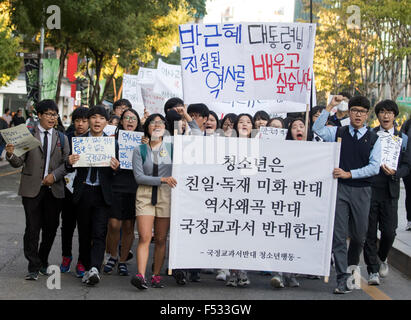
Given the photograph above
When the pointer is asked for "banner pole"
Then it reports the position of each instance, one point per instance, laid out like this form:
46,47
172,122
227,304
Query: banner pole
307,113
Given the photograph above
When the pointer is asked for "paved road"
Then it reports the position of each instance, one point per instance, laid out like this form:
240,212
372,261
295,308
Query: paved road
13,267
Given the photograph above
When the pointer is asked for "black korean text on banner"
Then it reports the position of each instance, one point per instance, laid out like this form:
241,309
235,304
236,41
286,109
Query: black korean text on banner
268,210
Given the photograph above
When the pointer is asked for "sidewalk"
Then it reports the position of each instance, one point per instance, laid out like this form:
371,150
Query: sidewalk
400,255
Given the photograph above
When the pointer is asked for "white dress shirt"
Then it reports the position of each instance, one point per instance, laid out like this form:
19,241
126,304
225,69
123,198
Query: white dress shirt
49,137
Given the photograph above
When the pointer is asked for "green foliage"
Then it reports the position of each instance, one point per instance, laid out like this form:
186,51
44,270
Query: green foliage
101,30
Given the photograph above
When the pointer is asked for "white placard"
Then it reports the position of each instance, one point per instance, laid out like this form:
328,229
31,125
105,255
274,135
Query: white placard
132,92
168,80
273,211
153,102
246,61
127,141
390,149
272,133
110,130
21,138
69,179
93,151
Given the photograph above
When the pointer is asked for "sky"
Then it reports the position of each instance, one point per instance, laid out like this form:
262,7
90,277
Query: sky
250,11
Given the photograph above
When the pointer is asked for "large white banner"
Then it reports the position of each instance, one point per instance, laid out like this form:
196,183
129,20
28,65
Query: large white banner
269,209
247,61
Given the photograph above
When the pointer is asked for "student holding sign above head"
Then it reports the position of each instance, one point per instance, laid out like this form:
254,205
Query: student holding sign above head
122,213
152,165
359,161
41,187
385,194
93,197
69,214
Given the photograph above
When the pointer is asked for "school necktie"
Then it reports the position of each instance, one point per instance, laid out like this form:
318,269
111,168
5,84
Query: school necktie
386,131
155,174
45,147
93,174
355,135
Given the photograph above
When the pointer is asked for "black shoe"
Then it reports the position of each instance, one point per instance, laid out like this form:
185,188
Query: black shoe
122,269
342,288
180,277
130,255
139,282
43,271
195,277
32,276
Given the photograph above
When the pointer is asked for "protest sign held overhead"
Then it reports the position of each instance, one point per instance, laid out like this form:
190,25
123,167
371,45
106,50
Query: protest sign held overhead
127,141
93,151
272,210
132,92
246,61
21,138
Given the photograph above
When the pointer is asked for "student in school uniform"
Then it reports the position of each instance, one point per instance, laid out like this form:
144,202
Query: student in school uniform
41,187
152,165
276,123
384,198
93,198
69,212
296,131
244,128
359,162
261,119
227,124
122,213
406,128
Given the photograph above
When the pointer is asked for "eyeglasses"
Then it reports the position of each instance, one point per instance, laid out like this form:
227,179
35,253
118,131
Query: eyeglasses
359,112
131,119
50,115
158,122
386,113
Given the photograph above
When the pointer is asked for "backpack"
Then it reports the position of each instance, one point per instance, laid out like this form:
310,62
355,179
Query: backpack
61,138
143,151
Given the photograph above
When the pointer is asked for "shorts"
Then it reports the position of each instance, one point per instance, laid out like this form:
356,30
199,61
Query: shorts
123,206
143,201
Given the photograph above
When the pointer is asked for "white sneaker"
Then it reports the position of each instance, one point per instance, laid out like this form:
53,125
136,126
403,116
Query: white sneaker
277,281
374,279
292,281
91,277
383,269
243,280
221,275
408,227
233,281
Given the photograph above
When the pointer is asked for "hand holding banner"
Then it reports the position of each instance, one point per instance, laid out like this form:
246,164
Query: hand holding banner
21,138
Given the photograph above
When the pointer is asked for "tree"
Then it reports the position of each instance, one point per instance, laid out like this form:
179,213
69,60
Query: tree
9,44
100,30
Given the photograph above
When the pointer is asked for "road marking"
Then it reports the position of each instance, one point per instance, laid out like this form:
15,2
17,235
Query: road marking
10,173
373,291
